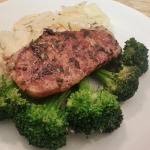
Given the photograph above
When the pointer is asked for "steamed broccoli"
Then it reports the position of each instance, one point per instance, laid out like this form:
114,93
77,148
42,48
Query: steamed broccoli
92,110
44,125
135,54
10,98
123,84
115,65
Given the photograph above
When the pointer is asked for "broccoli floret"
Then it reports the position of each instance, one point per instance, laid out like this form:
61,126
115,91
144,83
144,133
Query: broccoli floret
44,125
135,54
123,84
115,65
92,110
10,98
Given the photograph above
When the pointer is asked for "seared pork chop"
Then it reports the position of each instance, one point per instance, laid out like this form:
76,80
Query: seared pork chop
58,60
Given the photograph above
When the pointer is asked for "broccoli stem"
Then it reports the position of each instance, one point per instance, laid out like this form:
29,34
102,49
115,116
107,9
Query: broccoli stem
85,84
58,102
104,76
123,84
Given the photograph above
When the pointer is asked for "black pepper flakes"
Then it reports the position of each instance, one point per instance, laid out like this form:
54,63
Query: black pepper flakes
22,82
60,69
59,81
45,71
86,33
106,51
35,70
75,62
49,31
91,55
97,46
58,45
75,47
24,68
55,44
54,59
69,35
39,49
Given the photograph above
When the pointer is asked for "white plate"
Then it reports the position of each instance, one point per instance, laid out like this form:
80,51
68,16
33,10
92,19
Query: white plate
134,133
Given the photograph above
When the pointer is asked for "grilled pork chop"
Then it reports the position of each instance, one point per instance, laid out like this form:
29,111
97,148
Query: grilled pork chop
58,60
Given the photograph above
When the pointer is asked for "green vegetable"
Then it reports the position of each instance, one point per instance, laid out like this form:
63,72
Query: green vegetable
87,110
135,54
115,65
44,125
92,110
10,98
123,84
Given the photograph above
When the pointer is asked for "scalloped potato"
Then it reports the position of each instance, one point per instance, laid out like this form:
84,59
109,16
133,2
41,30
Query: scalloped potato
31,27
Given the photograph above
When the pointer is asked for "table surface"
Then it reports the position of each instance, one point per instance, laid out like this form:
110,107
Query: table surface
141,5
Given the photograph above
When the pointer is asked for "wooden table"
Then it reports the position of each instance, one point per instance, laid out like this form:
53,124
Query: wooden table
141,5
